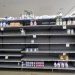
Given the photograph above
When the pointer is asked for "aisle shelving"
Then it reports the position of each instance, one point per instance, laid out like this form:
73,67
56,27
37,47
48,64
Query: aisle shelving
46,43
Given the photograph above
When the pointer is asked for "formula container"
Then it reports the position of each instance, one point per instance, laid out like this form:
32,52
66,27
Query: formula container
55,64
66,64
62,64
58,64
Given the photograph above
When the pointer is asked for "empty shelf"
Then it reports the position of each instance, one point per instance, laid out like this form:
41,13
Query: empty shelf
30,35
45,59
66,51
10,49
9,66
10,55
9,60
35,43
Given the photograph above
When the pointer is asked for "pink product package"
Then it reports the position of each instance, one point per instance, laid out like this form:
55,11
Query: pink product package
37,63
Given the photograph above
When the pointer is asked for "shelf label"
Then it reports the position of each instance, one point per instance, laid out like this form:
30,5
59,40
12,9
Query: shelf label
32,41
2,29
34,36
67,45
64,53
6,57
22,31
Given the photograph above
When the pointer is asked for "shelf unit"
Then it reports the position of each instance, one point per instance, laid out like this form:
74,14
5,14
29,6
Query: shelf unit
41,43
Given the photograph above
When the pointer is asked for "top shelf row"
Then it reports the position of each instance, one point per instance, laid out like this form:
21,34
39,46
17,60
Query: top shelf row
59,20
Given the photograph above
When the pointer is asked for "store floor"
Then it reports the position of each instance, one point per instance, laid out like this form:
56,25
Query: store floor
6,72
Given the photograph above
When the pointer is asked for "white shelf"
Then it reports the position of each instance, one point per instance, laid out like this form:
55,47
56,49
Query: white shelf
9,60
50,67
35,43
10,54
10,49
28,35
10,66
45,59
66,51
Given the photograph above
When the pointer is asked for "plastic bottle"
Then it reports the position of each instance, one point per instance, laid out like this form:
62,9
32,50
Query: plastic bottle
61,23
4,24
62,64
64,22
35,49
57,21
58,64
72,31
35,23
18,63
55,64
22,64
66,64
68,31
69,22
1,24
27,49
31,23
31,50
73,22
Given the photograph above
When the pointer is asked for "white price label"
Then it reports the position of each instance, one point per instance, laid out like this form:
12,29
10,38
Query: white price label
2,29
6,57
34,36
64,26
32,41
67,44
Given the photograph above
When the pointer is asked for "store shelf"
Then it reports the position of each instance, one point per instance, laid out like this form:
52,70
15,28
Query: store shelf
10,66
9,60
37,43
46,59
31,35
47,51
46,67
10,50
50,67
11,55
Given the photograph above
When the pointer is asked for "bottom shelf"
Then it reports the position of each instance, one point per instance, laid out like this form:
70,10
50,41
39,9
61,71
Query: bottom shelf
46,67
37,65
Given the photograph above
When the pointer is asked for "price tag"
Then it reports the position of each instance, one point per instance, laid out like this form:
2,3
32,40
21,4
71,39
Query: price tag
2,29
34,36
22,31
64,53
67,45
32,41
6,57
